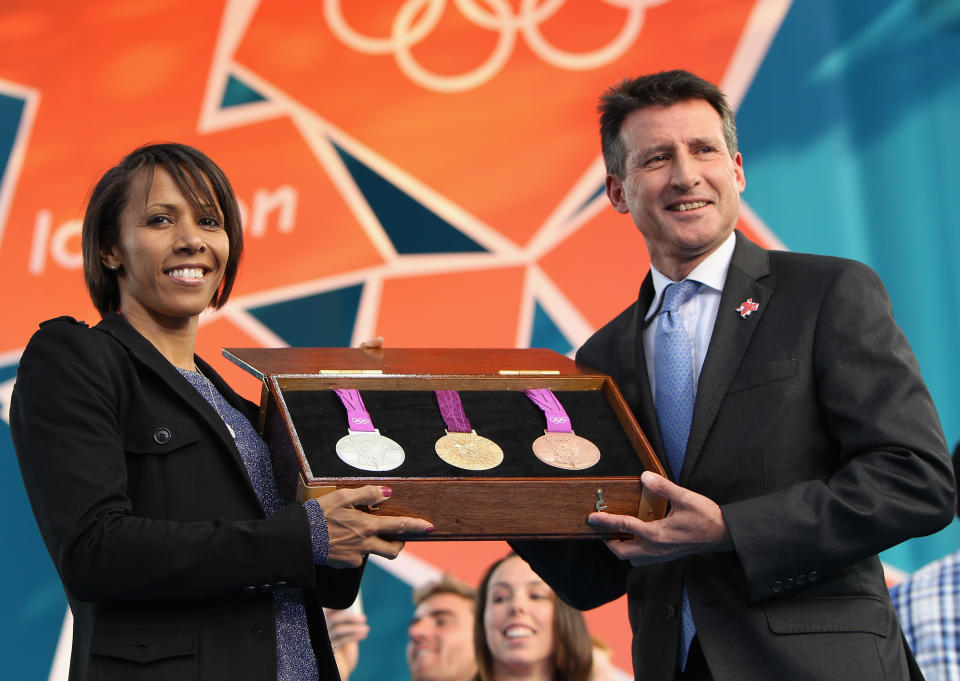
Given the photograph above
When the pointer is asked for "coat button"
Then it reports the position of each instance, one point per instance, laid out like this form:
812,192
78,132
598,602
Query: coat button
281,584
790,582
248,590
801,579
161,436
777,587
266,588
813,576
671,612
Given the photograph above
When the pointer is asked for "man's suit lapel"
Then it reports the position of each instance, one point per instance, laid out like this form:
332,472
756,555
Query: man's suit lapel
731,336
147,354
634,365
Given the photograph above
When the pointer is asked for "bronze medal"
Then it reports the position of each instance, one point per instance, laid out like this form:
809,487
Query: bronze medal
566,450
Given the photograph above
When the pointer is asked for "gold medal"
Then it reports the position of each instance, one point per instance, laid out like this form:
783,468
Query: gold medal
566,450
469,451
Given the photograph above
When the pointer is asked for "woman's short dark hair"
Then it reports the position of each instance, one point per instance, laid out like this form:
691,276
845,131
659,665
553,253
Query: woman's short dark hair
659,89
195,176
572,648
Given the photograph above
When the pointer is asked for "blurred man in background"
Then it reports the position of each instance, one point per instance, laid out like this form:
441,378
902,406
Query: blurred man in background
441,632
928,605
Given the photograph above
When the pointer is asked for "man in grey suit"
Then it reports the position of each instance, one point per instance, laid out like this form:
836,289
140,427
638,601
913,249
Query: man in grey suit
787,408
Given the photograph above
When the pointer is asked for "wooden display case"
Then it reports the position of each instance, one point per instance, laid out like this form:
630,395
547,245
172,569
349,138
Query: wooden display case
302,419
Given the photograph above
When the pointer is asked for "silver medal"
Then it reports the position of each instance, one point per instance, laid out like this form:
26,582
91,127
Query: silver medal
369,451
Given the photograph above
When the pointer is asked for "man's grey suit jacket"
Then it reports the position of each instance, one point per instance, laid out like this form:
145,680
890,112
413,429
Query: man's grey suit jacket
814,432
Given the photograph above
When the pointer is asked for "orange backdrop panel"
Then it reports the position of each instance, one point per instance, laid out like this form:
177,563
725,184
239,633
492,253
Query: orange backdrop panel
461,310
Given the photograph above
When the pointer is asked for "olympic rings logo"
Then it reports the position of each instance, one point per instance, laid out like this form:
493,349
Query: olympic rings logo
492,15
359,420
558,419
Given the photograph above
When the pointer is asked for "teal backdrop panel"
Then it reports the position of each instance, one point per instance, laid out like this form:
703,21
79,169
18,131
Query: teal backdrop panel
847,133
34,605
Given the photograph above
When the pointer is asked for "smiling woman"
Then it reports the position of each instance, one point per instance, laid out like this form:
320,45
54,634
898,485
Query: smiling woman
152,489
523,632
174,253
157,185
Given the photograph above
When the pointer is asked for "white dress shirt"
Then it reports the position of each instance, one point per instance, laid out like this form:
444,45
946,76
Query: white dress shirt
698,314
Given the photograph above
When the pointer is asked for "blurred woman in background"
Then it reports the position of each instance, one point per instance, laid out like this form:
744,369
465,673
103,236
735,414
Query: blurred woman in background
524,632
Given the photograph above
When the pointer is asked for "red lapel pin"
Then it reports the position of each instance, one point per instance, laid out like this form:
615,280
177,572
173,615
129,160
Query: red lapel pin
746,307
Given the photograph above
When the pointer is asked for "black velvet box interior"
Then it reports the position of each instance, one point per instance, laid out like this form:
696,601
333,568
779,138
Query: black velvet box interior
303,419
413,420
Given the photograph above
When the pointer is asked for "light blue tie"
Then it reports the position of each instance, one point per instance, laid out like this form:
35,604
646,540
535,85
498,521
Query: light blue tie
673,362
673,372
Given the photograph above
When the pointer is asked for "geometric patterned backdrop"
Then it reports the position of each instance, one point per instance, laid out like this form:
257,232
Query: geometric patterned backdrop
429,171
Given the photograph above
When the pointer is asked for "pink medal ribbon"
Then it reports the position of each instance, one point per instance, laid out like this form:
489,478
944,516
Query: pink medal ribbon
363,446
357,416
451,408
559,446
557,419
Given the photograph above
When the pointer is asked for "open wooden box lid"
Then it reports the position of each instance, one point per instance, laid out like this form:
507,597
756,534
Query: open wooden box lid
521,497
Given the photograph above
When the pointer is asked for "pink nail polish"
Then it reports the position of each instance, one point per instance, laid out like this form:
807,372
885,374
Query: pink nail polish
429,529
386,491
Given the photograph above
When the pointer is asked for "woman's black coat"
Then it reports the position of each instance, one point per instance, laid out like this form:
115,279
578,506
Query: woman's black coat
146,509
